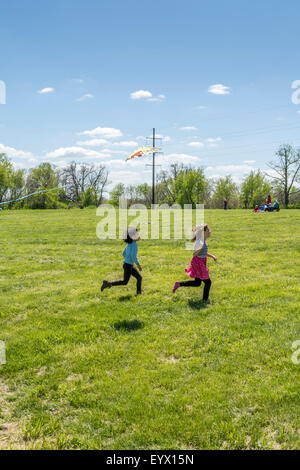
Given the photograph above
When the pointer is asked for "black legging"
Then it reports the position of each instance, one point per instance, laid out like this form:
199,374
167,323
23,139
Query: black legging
130,270
196,283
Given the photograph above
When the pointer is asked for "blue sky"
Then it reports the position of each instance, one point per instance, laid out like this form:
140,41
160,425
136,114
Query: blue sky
85,80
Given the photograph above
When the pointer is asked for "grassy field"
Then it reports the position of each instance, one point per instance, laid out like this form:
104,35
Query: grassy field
115,371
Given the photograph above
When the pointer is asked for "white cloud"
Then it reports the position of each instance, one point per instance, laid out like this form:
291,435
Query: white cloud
230,168
138,164
219,89
188,128
19,166
179,158
269,173
13,153
118,151
45,91
249,162
196,144
140,94
87,96
201,107
116,162
93,142
213,140
164,138
61,163
126,176
101,142
75,152
106,132
210,141
238,172
147,95
130,143
158,99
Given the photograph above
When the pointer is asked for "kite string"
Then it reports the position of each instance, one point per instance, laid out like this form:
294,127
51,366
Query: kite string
29,195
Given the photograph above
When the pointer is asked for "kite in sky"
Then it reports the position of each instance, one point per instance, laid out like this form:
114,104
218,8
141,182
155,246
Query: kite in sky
142,151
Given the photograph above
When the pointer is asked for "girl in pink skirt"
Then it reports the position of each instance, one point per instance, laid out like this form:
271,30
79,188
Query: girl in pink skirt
198,269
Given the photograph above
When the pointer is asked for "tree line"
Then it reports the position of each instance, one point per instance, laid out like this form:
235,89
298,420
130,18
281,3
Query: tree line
181,184
79,185
83,185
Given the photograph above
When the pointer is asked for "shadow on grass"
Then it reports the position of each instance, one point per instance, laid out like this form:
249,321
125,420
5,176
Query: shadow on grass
125,298
128,325
197,304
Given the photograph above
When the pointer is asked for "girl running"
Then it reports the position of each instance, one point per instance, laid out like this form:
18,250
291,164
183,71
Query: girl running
198,269
132,236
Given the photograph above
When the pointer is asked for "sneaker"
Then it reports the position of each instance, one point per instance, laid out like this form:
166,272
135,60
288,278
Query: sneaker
176,286
105,285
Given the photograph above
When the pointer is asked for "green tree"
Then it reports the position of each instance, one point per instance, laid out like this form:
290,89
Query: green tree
41,178
17,186
190,186
165,187
144,194
89,197
6,170
254,190
225,188
117,192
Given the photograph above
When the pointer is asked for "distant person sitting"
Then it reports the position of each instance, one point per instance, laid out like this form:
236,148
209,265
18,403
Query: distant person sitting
271,208
225,204
269,200
256,209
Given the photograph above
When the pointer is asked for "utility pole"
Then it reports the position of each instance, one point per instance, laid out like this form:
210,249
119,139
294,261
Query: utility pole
153,167
153,139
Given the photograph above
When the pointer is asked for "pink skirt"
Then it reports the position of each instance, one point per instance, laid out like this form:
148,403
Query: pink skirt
198,269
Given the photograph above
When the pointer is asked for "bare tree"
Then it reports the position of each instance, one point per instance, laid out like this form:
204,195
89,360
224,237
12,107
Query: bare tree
287,170
76,179
98,179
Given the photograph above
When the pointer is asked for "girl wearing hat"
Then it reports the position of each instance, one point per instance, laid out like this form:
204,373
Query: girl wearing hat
198,269
131,237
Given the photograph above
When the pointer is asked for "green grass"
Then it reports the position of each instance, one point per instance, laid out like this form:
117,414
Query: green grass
116,371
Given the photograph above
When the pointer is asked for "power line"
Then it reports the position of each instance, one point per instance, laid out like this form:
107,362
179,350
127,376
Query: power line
258,110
